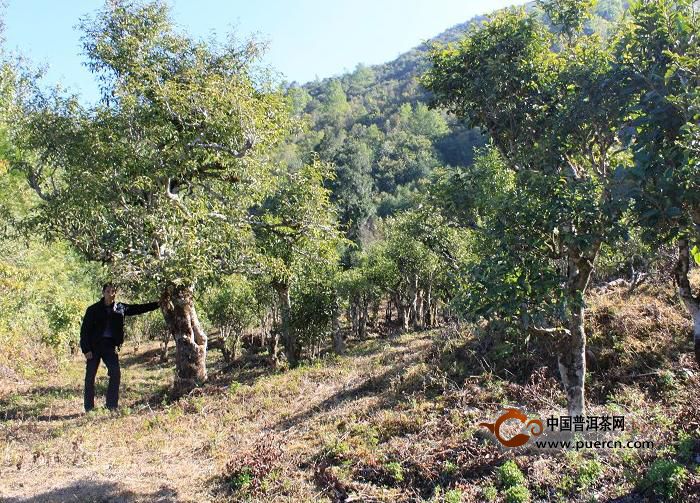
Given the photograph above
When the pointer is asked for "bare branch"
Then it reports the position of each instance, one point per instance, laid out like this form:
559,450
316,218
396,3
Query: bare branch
550,331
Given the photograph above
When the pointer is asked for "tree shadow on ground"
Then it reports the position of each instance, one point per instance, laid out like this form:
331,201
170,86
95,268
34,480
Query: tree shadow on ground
245,370
379,385
149,357
248,369
102,491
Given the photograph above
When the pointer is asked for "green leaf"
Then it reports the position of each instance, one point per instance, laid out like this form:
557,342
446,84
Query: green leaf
695,252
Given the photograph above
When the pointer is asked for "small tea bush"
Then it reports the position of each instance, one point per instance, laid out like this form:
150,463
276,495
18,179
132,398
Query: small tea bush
588,473
517,494
664,479
395,470
509,475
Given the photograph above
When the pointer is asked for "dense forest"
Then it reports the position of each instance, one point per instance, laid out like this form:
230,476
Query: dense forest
489,188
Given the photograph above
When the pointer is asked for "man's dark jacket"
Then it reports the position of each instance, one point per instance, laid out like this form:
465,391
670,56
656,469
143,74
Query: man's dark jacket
97,317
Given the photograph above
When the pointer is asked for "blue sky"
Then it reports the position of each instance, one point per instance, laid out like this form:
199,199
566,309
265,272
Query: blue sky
307,38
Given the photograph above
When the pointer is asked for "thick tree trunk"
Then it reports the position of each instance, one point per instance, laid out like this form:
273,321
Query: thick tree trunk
691,302
291,349
177,304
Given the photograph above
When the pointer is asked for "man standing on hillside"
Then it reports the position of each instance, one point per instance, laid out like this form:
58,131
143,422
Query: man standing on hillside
101,333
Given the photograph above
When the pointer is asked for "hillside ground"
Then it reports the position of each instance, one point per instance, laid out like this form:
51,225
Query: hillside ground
396,419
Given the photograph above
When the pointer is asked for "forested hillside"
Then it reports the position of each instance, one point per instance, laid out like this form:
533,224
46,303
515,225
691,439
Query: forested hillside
469,274
375,126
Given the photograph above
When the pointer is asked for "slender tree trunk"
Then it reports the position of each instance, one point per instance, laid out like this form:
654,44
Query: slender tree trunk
164,340
414,302
429,320
274,336
177,304
572,363
338,341
405,317
418,320
374,318
362,308
225,334
236,344
354,316
572,354
291,349
273,346
691,302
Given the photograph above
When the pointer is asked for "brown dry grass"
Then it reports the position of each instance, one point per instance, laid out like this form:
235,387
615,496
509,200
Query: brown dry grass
166,451
395,420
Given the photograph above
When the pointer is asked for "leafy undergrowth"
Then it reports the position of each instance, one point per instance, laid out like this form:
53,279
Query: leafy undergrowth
397,419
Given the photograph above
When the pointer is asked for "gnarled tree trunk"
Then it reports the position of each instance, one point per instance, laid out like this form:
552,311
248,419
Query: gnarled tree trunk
691,302
177,304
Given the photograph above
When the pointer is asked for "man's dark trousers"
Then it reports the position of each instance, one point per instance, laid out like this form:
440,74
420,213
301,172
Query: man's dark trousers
106,352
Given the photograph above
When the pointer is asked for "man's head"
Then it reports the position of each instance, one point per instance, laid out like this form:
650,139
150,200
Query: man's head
109,292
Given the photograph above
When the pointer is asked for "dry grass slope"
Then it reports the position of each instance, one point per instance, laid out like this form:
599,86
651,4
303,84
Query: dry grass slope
394,420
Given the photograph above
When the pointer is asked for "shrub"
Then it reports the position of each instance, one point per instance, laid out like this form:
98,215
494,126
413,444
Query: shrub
247,470
588,473
489,493
517,494
395,470
664,479
336,450
685,447
450,469
241,479
509,475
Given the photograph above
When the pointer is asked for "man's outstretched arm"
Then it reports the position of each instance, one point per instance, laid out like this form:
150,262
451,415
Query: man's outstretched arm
134,309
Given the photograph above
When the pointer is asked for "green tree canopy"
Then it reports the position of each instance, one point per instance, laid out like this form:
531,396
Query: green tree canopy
553,116
158,179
